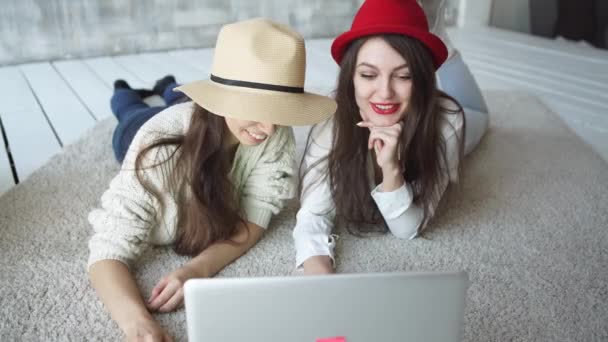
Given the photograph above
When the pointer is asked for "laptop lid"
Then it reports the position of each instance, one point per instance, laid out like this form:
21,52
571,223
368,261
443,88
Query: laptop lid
373,307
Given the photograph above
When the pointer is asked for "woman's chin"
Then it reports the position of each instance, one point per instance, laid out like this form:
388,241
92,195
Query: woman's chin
384,120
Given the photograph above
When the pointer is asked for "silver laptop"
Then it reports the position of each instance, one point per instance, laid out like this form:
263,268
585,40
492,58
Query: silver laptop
374,307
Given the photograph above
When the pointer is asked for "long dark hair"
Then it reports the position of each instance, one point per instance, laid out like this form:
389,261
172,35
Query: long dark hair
202,165
423,148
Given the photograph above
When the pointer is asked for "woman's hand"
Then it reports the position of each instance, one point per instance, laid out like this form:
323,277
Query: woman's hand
385,142
320,264
168,294
146,329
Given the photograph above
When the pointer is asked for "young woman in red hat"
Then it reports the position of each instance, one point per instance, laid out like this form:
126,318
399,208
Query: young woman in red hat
395,142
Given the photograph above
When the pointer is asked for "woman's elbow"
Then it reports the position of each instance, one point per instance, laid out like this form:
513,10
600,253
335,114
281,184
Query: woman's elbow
408,224
405,232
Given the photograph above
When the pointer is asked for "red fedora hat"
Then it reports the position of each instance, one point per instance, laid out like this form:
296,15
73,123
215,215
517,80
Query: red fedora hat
404,17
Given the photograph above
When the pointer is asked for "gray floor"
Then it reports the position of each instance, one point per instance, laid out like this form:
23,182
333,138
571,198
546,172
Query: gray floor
50,105
532,238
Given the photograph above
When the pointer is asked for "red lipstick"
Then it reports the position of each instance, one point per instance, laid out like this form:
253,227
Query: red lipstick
385,108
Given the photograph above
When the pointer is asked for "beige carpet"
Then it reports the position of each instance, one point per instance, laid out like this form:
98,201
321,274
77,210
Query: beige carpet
529,224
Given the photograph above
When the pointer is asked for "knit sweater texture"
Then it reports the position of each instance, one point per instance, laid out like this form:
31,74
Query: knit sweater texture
131,219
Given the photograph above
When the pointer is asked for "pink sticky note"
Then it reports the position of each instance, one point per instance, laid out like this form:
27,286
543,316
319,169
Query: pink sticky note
332,339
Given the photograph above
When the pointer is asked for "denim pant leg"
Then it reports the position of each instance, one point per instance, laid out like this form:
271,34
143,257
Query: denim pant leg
124,102
132,113
456,80
127,129
172,97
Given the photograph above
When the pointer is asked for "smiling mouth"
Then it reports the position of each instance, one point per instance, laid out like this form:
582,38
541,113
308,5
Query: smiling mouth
256,137
385,108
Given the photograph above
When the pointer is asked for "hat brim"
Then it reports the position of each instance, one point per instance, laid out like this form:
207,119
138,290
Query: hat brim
279,108
436,46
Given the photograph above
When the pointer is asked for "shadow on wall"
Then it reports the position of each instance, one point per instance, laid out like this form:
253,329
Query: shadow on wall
34,30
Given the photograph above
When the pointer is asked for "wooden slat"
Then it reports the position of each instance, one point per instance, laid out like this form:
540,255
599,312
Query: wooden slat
490,83
14,91
31,144
200,59
569,78
31,140
169,64
589,124
536,81
583,62
68,116
141,67
510,82
6,175
571,71
591,109
589,80
109,71
557,48
89,87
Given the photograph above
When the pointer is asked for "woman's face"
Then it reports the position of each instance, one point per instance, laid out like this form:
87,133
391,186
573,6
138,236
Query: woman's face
383,83
250,132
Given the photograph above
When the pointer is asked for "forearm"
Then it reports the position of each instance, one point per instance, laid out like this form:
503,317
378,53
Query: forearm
319,264
392,179
116,287
218,255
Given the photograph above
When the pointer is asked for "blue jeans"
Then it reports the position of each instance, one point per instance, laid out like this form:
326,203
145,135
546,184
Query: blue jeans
456,80
132,113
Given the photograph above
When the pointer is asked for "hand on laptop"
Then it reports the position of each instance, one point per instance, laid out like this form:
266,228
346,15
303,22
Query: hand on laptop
168,294
319,264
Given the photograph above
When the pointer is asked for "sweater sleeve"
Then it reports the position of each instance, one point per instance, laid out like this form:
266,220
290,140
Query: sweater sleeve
273,179
122,225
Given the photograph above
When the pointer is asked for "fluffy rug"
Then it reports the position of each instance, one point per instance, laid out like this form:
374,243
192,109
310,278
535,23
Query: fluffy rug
529,222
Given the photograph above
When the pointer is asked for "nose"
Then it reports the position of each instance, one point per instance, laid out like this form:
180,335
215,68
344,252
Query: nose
385,88
266,127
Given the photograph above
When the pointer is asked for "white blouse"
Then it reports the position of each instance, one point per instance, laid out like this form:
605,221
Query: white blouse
315,219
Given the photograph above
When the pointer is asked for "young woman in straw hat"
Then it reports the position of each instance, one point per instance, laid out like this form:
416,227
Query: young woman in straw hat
205,176
384,160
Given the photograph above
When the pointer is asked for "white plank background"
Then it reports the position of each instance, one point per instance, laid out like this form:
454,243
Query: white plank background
109,70
30,137
199,59
66,112
571,79
87,86
6,174
47,105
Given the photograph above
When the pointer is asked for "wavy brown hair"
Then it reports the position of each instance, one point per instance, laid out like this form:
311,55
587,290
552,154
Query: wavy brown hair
202,164
422,151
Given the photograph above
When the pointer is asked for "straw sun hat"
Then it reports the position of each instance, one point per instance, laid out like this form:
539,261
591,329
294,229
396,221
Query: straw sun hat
258,74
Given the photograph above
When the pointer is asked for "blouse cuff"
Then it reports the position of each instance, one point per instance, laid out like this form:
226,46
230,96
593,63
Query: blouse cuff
314,245
394,203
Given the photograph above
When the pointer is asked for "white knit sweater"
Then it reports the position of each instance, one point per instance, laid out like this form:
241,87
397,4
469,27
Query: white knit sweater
130,219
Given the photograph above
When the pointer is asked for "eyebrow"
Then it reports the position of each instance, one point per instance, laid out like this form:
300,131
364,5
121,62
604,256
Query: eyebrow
404,65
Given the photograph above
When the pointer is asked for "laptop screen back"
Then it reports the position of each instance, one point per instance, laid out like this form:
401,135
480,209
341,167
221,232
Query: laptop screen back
350,307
